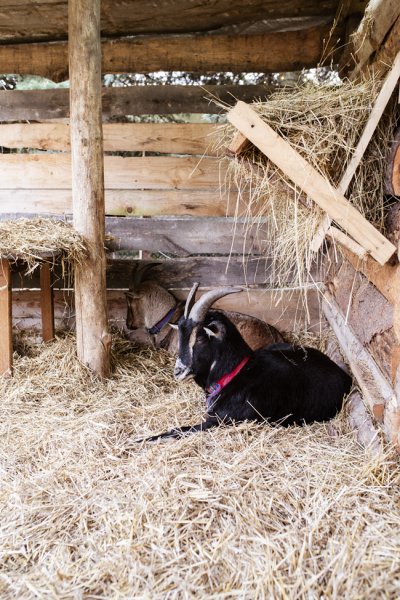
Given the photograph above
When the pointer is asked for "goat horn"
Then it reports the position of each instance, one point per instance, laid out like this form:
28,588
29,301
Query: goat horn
138,273
191,299
202,306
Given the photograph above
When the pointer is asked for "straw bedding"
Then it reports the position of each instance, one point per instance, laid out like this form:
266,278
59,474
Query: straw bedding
28,239
247,512
323,123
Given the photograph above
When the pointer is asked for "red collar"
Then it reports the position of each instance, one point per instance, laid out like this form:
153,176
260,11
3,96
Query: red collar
213,390
158,326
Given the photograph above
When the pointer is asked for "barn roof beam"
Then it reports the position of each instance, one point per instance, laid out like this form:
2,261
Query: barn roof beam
260,52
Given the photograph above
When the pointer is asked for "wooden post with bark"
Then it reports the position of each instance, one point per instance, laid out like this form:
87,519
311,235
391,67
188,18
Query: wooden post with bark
93,339
6,350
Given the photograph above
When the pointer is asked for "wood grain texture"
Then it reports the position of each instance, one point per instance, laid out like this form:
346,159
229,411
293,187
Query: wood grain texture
392,175
47,19
178,273
93,339
53,171
134,100
196,203
46,302
284,311
386,54
6,349
259,52
167,138
184,237
310,181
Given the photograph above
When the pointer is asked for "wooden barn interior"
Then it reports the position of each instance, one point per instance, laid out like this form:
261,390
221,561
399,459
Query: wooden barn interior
170,199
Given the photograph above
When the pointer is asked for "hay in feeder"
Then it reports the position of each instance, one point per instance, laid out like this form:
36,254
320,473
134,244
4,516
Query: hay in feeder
30,239
323,123
251,512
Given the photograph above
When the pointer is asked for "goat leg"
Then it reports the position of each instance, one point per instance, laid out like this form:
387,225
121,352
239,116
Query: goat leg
183,431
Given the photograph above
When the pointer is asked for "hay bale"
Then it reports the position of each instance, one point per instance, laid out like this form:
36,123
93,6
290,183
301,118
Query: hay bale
30,239
324,124
248,512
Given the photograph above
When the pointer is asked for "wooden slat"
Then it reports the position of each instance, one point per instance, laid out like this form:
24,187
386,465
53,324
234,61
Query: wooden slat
310,181
369,129
53,171
167,138
184,237
133,203
6,350
211,271
284,314
270,52
135,100
46,301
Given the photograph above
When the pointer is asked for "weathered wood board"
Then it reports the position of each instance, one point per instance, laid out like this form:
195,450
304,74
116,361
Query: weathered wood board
284,311
167,138
310,181
196,203
136,100
53,171
176,273
184,237
270,52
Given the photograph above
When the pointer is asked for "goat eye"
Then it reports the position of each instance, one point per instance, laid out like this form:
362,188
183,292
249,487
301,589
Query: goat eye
201,339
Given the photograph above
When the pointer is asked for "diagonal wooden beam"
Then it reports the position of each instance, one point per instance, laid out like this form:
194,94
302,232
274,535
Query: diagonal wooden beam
374,118
310,181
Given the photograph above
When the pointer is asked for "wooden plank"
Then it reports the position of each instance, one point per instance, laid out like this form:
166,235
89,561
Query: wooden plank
378,18
6,349
135,100
176,273
53,171
310,181
46,301
386,54
369,129
285,314
196,203
361,423
270,52
184,237
92,337
167,138
47,19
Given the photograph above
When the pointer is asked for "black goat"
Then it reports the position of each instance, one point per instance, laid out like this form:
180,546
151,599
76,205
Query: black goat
282,383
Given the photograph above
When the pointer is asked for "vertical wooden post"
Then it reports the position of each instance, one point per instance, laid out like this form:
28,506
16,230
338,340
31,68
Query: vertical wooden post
93,339
6,354
46,301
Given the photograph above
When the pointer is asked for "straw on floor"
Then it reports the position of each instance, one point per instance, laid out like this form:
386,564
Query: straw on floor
248,512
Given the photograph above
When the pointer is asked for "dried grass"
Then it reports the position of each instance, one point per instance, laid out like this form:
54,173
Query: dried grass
247,512
323,123
30,239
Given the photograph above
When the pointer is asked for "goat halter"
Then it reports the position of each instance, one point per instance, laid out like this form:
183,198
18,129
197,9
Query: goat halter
213,390
158,326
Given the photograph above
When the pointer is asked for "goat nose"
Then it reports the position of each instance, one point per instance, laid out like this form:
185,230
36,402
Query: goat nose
177,371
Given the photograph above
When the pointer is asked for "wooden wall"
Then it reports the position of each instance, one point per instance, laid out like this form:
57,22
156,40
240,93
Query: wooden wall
184,180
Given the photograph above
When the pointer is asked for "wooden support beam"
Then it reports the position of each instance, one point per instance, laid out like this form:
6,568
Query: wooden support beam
392,175
167,138
386,54
361,423
369,129
93,339
6,350
17,105
46,301
378,18
310,181
259,52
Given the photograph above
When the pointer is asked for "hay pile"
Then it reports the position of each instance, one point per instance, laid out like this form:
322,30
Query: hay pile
30,239
247,512
323,123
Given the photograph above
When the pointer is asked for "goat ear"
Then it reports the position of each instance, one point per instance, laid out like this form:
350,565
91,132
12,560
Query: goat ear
214,329
173,325
132,295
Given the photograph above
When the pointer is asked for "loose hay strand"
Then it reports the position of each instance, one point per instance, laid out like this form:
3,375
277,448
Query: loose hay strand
250,512
324,124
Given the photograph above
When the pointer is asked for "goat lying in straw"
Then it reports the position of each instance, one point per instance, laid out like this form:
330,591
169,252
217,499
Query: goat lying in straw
152,308
282,383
